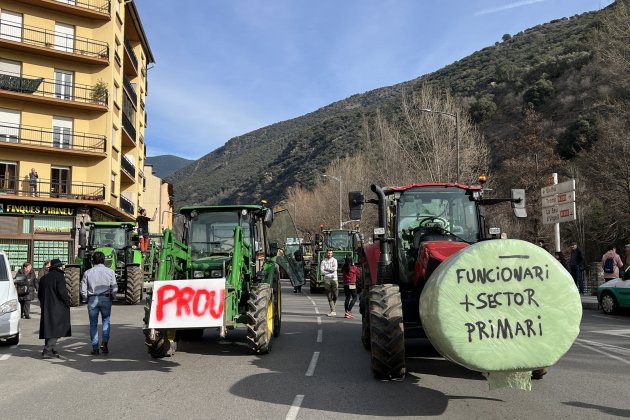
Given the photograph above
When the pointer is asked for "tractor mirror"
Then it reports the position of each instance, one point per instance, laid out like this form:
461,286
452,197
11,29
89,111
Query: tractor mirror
518,203
268,220
355,201
273,248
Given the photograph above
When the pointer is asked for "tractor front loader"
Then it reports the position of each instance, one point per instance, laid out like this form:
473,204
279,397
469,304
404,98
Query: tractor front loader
221,271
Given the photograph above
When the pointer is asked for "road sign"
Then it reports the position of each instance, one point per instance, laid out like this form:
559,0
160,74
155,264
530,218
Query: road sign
559,213
558,188
556,199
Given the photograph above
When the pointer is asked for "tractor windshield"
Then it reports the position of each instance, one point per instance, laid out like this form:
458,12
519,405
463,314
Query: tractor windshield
340,239
212,233
433,214
111,237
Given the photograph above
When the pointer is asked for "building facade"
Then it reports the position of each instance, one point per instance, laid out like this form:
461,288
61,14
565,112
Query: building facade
73,82
158,197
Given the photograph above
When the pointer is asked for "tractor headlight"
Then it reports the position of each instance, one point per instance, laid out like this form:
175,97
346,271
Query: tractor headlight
9,306
216,274
198,274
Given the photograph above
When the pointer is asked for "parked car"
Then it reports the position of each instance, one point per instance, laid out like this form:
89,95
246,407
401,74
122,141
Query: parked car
615,293
9,305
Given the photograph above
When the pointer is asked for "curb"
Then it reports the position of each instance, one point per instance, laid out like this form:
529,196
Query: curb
590,303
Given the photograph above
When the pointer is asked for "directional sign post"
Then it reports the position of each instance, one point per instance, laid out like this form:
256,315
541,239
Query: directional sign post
558,204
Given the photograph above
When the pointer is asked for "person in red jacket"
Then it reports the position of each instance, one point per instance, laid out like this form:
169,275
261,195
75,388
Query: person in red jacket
350,273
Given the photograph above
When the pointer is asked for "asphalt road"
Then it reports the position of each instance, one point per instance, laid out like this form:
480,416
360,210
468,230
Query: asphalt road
317,369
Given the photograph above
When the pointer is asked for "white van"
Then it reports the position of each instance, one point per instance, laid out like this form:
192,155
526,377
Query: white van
9,305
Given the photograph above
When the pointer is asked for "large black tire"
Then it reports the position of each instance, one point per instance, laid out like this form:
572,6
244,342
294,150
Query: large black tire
133,289
73,283
387,335
365,322
277,308
260,323
161,346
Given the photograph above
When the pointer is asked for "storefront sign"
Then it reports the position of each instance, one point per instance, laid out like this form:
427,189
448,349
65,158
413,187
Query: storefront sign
48,229
35,209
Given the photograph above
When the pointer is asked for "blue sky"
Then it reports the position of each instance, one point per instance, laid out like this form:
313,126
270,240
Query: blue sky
227,67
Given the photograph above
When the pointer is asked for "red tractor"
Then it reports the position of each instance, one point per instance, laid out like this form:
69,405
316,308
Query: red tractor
419,226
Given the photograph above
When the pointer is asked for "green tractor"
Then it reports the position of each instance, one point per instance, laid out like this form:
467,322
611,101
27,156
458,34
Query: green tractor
116,241
221,270
343,243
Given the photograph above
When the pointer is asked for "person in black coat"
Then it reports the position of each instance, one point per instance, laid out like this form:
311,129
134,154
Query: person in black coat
26,281
55,305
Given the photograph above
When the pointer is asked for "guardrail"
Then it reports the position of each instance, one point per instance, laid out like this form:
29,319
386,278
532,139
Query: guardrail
52,188
128,166
129,49
127,205
39,136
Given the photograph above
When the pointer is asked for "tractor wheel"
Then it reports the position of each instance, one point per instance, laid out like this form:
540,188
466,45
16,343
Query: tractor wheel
73,281
277,308
539,373
133,290
387,335
260,314
161,346
365,323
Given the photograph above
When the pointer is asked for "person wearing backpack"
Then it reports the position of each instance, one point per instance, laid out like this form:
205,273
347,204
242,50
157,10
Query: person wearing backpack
611,263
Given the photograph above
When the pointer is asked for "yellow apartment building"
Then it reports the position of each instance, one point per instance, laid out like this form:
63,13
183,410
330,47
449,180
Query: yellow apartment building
73,82
158,199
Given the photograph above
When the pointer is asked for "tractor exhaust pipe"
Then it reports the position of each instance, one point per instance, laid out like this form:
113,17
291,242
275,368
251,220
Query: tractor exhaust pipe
385,260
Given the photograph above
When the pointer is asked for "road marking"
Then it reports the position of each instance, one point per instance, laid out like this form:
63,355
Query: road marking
311,366
4,357
313,303
319,320
625,332
295,407
593,345
320,336
316,310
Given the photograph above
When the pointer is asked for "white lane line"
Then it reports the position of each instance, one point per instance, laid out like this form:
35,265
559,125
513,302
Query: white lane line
319,320
313,303
624,332
311,366
295,407
316,310
4,357
608,347
603,352
320,336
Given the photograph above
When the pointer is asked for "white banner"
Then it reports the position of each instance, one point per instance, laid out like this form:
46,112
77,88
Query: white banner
198,303
559,214
554,200
558,188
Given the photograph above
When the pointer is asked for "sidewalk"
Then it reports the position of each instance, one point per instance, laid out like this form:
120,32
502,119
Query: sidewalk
589,302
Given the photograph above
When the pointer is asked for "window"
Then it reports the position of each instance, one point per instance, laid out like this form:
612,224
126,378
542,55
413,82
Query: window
10,67
117,4
63,84
117,52
116,87
59,181
113,184
64,37
115,137
8,176
9,125
11,26
62,132
129,110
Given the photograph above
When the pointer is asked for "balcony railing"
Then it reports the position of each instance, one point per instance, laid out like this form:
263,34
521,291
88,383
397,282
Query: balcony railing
49,88
102,6
52,188
129,49
128,125
142,104
39,37
130,90
127,205
57,138
128,166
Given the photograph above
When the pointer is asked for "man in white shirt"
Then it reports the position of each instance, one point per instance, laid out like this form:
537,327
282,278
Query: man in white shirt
328,268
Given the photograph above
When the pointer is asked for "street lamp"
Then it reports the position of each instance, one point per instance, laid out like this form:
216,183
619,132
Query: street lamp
337,179
457,132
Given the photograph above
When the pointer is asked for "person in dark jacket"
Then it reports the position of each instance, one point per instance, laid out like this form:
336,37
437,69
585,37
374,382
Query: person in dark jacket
55,305
576,266
26,281
43,271
350,273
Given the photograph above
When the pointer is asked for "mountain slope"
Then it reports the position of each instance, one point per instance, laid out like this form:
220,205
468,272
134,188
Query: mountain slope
263,163
164,165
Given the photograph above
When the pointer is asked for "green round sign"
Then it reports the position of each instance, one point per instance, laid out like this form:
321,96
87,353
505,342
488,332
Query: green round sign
501,305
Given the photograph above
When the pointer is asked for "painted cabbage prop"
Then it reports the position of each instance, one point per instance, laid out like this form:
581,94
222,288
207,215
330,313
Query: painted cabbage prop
502,307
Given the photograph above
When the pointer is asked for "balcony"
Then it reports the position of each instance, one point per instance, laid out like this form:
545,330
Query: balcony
38,89
51,140
55,44
94,9
128,168
52,189
130,90
131,60
129,129
127,205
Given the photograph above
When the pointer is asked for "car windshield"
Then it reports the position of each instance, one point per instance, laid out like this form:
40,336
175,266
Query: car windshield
113,237
339,240
212,233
